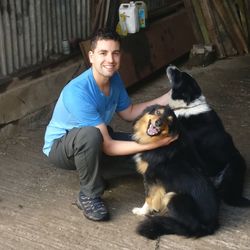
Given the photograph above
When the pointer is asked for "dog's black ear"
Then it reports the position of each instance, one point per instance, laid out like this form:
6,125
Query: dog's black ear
190,90
150,109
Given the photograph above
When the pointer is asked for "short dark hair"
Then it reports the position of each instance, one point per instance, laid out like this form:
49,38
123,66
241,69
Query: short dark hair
104,34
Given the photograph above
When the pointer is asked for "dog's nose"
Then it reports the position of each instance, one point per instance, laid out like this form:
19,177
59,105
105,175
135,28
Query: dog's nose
169,70
158,123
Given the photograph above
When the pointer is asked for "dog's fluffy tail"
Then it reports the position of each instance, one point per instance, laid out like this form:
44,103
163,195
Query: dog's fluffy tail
156,226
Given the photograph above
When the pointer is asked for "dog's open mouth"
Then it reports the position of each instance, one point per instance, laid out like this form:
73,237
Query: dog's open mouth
152,129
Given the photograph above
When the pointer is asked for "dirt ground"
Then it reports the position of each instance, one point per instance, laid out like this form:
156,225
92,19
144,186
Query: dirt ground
37,201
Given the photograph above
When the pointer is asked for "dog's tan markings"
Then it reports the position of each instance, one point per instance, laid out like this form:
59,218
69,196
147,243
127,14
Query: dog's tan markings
158,199
155,196
141,127
166,199
142,167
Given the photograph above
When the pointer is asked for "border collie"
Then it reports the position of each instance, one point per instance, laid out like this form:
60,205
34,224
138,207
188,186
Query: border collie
219,157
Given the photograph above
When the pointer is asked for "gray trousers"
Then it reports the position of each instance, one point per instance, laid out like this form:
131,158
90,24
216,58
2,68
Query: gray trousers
81,149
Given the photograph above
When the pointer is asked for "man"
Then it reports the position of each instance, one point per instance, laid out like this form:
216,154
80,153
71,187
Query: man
78,133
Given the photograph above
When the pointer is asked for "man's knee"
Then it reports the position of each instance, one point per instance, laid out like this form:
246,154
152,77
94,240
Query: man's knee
90,136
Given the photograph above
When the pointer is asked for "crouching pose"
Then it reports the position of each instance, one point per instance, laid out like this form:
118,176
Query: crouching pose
78,135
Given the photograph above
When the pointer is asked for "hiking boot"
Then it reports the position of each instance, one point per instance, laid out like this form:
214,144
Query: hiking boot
93,208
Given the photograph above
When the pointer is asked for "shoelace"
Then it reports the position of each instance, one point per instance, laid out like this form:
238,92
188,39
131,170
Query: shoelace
93,203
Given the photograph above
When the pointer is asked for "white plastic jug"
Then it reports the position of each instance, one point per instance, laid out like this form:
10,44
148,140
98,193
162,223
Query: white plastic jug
142,13
130,11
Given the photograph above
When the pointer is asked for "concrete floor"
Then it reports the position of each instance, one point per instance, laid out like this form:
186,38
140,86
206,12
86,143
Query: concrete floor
37,209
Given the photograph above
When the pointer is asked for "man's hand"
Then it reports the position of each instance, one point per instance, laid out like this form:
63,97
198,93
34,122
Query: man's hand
168,140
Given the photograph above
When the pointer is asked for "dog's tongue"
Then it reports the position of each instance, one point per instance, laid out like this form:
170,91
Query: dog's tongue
152,130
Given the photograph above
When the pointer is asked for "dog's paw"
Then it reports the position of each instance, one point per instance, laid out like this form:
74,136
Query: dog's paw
139,211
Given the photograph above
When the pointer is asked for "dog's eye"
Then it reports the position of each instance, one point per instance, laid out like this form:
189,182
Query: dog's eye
158,112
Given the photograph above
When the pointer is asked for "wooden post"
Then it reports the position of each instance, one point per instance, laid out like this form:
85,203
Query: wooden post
247,9
228,45
242,16
232,29
193,20
212,27
200,19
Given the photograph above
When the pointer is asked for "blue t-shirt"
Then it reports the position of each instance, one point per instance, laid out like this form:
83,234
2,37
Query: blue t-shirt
81,103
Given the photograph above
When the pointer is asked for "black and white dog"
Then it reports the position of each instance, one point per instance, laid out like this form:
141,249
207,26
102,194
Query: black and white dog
219,157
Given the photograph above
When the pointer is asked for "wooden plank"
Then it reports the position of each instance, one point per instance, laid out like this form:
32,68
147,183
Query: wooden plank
228,45
194,21
247,9
201,21
149,50
231,27
212,27
85,46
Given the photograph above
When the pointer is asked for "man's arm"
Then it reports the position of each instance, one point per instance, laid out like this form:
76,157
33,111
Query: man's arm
116,147
135,110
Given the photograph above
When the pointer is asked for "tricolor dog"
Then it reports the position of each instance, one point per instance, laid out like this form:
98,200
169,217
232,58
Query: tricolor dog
180,199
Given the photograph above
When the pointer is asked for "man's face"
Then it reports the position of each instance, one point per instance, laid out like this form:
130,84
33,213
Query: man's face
105,58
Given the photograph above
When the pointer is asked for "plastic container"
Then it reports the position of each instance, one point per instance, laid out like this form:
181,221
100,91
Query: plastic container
65,47
142,13
121,27
130,11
